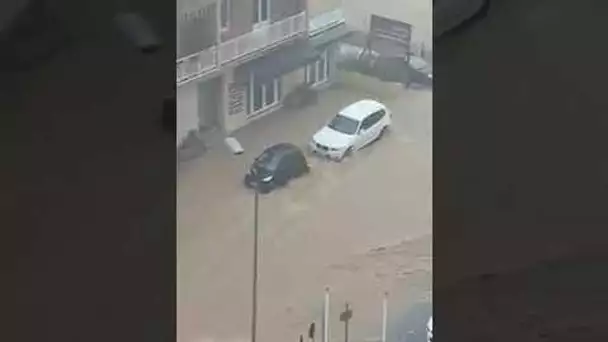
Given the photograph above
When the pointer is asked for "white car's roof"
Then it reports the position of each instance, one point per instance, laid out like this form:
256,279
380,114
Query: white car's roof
361,109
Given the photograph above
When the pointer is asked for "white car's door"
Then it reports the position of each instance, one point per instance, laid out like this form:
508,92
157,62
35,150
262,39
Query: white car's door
366,132
378,123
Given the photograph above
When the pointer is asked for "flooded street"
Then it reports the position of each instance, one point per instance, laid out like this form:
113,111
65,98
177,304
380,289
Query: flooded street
361,227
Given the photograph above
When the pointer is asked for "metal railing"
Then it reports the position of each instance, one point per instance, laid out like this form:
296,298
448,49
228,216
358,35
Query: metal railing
201,63
326,21
196,64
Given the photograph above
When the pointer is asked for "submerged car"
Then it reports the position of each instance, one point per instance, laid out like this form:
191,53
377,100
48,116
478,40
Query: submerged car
353,128
275,167
420,71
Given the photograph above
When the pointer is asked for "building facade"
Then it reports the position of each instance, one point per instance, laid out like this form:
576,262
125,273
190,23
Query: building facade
237,59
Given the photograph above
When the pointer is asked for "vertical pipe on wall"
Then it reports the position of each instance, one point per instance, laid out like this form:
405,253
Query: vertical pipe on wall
326,316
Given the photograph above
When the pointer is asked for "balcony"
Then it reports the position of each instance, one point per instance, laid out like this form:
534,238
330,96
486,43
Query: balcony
202,63
326,21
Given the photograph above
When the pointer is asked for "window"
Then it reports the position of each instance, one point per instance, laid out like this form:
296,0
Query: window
344,124
263,94
261,11
367,122
372,119
318,71
225,14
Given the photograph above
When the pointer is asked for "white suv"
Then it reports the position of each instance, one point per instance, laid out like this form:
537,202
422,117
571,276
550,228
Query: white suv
353,128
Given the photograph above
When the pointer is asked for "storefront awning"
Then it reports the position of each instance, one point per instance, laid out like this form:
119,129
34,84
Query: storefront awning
279,62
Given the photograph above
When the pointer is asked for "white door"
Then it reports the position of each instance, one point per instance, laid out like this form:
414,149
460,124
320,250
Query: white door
366,132
378,123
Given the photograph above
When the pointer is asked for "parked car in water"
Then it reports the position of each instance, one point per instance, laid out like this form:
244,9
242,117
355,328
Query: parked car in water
353,128
416,70
275,167
419,71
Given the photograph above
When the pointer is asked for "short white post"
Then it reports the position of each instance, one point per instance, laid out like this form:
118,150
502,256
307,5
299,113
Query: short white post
326,316
384,315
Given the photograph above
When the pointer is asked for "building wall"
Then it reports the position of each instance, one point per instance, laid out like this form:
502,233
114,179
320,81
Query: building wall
292,80
234,102
281,9
241,19
236,119
187,110
316,7
196,29
210,104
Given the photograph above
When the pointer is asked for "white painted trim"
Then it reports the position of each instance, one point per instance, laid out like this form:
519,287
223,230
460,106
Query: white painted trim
276,87
318,81
229,15
258,4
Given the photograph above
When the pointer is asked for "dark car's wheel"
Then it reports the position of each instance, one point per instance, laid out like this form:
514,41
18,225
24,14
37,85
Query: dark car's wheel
306,169
282,181
247,181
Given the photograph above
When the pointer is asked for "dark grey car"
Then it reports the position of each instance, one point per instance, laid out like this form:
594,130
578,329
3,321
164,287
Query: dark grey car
275,167
419,71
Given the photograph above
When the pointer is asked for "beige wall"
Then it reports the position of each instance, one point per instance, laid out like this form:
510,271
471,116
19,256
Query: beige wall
241,19
234,121
316,7
238,119
291,80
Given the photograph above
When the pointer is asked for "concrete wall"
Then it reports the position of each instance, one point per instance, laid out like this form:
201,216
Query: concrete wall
187,110
292,80
316,7
281,9
196,30
233,116
241,18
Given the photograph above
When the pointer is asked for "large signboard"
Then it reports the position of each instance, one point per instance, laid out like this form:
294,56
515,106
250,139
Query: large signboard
390,32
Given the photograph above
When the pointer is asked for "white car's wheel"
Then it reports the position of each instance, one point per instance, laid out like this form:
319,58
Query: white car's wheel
346,153
383,132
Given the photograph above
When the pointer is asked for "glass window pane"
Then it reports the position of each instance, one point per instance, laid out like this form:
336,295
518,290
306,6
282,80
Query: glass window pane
322,69
257,97
224,13
312,73
269,92
264,10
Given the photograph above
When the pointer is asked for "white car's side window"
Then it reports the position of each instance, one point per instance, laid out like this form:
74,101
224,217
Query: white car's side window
367,122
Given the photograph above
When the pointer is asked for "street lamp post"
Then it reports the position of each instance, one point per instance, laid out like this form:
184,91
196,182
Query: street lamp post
254,312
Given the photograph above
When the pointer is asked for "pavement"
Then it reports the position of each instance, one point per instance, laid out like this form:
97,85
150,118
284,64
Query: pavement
361,227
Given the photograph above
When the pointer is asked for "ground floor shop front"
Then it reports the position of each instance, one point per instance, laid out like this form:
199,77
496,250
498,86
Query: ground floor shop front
248,92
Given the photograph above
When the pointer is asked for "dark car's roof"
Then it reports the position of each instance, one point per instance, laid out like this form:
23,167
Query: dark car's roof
282,148
273,154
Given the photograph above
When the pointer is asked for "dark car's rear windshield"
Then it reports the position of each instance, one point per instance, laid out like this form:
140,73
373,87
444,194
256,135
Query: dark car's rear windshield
267,161
344,125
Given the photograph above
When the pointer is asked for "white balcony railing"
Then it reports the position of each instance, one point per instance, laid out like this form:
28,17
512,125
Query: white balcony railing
198,64
326,21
